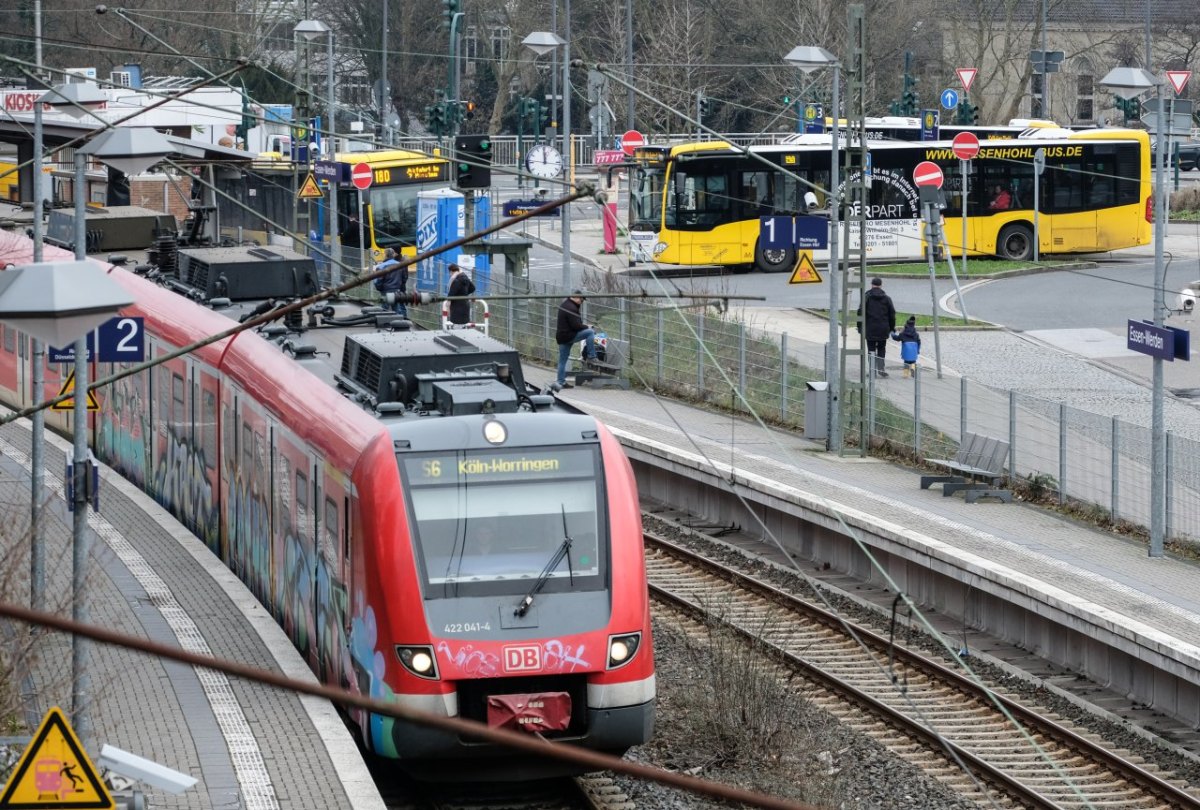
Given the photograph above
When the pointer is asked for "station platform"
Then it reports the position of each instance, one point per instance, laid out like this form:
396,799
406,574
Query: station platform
249,746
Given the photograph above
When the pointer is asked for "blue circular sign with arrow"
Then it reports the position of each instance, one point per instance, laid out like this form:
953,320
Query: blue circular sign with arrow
949,98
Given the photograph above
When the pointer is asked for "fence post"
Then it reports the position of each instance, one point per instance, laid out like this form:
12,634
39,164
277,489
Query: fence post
624,330
962,408
783,377
1062,453
1115,484
700,354
546,333
917,414
742,359
870,411
1012,435
660,345
1170,490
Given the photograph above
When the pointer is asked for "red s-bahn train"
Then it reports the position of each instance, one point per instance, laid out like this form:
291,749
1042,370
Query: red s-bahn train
425,526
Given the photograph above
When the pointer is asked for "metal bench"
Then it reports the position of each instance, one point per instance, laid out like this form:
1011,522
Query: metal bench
978,467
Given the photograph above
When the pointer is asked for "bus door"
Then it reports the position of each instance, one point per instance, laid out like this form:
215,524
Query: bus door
700,212
1067,197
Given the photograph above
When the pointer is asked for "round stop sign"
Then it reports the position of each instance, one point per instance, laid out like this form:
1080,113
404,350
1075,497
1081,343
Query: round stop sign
965,145
928,173
361,176
632,140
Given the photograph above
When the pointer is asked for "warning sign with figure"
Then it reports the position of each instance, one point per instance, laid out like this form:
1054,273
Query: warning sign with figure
68,404
55,771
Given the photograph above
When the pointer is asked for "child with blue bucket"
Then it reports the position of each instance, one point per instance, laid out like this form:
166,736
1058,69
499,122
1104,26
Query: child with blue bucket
910,345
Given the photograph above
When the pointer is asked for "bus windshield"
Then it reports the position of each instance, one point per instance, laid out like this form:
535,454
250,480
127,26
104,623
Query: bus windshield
645,208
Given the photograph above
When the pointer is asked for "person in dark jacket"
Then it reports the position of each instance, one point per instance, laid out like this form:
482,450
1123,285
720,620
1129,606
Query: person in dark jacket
394,282
349,232
910,345
878,322
570,330
461,285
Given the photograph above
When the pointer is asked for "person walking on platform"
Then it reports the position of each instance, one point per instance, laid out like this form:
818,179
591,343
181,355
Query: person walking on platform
570,330
394,282
461,286
878,322
910,345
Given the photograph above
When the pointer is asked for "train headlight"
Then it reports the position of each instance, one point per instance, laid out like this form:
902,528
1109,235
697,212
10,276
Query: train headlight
418,660
495,432
622,649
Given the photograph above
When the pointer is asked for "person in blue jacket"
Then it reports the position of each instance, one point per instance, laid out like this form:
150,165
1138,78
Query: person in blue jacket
910,345
394,282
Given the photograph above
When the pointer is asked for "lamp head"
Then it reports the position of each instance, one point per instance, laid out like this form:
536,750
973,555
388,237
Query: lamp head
543,42
809,57
1128,82
131,150
310,30
76,100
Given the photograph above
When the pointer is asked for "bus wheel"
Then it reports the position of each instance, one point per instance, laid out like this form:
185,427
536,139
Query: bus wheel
774,260
1015,243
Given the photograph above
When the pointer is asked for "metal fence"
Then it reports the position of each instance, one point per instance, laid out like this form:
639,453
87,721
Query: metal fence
703,356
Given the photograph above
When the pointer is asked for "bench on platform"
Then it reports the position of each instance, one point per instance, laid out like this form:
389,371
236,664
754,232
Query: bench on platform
977,469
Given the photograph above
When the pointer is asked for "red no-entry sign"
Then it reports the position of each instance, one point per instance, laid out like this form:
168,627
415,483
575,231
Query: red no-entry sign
965,145
361,176
928,173
631,140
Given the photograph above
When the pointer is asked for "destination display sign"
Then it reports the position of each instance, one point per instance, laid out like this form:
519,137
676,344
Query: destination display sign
483,465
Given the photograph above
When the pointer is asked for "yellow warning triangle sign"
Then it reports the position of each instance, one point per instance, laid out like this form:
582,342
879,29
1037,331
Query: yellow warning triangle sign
310,190
68,404
806,271
55,771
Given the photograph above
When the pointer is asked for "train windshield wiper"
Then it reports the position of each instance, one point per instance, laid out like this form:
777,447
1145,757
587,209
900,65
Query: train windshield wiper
563,550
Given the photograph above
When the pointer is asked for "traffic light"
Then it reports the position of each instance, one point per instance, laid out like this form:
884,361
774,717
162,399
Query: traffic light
967,113
705,106
909,103
1128,107
473,161
468,110
449,9
249,122
435,116
543,117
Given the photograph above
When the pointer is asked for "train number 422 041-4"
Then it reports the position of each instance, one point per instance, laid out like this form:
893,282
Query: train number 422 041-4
467,627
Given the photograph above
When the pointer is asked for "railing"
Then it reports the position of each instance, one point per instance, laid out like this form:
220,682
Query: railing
504,147
1089,458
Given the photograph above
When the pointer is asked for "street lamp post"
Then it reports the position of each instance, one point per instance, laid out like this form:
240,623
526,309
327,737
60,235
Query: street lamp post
543,42
56,302
1129,82
808,59
312,30
75,100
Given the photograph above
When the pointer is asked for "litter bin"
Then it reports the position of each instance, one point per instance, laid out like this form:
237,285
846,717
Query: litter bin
816,410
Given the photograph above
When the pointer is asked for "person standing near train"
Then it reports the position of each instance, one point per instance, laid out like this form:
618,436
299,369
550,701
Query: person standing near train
395,282
461,286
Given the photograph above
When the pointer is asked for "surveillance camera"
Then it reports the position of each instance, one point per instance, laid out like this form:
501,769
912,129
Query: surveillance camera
1188,296
810,201
131,766
101,9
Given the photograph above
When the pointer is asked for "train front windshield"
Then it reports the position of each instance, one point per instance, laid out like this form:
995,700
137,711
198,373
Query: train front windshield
496,521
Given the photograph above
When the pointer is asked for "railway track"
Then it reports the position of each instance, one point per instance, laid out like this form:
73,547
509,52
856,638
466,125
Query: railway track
992,750
588,792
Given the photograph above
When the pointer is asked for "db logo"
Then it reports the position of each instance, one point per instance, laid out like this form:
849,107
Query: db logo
522,659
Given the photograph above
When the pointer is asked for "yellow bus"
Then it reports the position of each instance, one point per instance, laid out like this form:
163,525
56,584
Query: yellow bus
700,204
389,215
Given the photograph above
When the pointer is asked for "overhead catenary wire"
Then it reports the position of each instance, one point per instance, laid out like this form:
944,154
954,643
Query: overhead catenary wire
849,531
